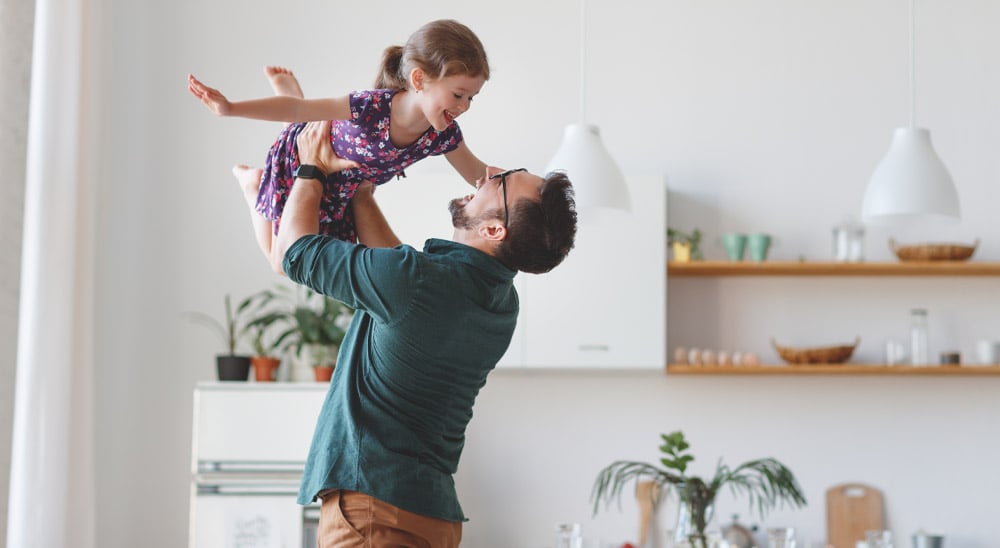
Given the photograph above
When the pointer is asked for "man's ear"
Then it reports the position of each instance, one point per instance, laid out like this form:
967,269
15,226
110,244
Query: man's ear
493,231
417,79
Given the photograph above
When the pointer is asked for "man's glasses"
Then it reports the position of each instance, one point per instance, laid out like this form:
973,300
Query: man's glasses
503,184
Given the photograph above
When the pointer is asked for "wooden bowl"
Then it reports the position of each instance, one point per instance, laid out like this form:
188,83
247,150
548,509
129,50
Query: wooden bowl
933,252
818,354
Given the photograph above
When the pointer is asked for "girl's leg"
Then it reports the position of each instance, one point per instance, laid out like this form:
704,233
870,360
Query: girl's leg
283,82
249,179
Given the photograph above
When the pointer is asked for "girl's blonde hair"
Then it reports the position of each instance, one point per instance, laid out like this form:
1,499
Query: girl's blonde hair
440,48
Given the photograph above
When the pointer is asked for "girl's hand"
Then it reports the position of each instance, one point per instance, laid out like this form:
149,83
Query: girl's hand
210,97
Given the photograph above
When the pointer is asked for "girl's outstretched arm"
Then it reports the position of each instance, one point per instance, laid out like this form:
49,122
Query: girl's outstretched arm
276,109
466,163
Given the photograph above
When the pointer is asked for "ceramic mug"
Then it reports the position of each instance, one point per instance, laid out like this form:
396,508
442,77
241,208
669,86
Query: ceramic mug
758,244
928,540
735,245
988,352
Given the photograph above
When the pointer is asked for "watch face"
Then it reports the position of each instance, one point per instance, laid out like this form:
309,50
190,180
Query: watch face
306,171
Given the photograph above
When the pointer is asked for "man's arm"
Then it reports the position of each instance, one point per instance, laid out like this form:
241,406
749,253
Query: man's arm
314,148
301,213
379,281
373,230
300,218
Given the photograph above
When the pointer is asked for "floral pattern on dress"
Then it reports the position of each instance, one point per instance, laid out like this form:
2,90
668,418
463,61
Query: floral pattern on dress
364,139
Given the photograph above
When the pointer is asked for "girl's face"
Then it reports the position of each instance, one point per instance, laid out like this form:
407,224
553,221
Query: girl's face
447,98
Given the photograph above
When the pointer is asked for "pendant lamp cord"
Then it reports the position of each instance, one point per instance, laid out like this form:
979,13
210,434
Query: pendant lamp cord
583,59
913,57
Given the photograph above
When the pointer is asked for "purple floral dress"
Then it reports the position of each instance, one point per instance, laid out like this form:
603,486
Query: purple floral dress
364,139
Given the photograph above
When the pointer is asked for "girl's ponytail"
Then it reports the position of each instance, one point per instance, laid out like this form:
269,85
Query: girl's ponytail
440,48
389,75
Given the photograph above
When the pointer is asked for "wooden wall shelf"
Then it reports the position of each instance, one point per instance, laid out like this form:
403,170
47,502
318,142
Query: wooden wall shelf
834,369
796,268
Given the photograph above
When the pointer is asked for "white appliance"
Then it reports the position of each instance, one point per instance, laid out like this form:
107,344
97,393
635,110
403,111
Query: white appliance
248,450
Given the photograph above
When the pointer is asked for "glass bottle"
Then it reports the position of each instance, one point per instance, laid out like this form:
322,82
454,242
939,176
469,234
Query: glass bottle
919,354
569,535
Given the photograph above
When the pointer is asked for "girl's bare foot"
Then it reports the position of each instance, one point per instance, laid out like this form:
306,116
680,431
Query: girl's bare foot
249,179
283,82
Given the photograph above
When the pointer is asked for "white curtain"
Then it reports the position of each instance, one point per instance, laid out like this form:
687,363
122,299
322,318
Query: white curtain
52,481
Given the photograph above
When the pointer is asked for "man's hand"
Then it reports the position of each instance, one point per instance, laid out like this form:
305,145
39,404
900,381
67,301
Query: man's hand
210,97
315,149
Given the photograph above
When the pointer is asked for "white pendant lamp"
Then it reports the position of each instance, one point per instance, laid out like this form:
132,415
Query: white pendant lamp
597,180
911,182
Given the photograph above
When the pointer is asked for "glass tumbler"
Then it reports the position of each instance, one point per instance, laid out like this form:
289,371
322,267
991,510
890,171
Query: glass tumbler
879,539
781,537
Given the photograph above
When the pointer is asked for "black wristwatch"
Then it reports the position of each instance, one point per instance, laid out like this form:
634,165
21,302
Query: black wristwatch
307,171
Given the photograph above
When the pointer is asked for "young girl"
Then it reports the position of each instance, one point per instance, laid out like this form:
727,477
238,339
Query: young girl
422,87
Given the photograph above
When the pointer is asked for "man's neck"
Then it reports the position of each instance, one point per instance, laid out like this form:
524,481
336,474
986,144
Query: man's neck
471,239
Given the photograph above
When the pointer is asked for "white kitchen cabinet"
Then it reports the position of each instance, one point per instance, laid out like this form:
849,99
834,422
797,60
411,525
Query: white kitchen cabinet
254,423
248,449
604,307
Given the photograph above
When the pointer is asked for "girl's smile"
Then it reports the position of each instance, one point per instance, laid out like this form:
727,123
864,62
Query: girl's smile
447,98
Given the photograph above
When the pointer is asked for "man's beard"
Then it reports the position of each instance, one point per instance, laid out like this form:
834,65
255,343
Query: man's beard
459,219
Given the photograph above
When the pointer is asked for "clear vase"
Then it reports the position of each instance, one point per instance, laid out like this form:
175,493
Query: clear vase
686,531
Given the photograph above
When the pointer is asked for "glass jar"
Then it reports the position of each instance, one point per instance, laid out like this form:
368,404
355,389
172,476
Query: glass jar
849,242
919,354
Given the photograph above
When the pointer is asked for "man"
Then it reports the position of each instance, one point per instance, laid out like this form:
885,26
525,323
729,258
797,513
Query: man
429,328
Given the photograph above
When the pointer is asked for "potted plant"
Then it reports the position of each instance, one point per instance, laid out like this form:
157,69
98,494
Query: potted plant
267,348
766,482
230,366
316,326
686,247
320,330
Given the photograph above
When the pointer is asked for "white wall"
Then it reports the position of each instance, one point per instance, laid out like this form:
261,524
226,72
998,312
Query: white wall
766,115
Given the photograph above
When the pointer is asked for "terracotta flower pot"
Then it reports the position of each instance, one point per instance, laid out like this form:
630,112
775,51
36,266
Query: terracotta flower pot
265,368
323,373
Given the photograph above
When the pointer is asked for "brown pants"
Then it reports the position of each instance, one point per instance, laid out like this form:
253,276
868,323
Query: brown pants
349,519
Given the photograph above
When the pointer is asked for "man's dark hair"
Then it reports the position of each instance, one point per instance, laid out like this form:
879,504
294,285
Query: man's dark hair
541,233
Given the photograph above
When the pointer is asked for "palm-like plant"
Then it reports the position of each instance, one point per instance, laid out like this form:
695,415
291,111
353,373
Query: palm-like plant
233,329
766,482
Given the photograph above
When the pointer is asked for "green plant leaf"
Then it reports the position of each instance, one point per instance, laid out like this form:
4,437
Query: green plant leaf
765,482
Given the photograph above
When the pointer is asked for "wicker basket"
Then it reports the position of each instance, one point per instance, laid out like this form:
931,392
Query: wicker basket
933,252
819,354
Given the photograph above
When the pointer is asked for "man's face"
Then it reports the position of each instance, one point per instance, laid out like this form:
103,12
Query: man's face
487,203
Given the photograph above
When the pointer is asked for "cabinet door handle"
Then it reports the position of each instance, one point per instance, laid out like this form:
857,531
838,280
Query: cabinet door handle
594,348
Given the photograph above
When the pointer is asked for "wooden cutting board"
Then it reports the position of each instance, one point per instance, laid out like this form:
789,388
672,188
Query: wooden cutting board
852,509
